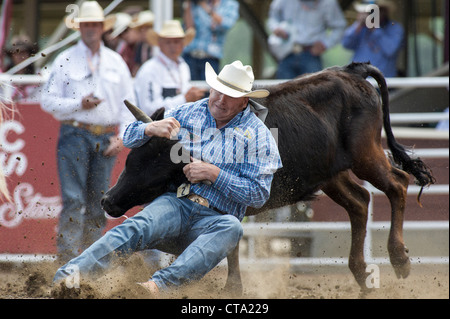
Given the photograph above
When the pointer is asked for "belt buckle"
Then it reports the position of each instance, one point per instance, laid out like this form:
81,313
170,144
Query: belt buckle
199,54
199,200
298,48
97,129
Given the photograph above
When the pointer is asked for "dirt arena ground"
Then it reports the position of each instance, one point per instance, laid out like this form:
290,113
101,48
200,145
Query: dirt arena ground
425,282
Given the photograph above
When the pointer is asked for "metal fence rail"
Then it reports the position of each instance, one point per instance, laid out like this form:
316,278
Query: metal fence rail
253,230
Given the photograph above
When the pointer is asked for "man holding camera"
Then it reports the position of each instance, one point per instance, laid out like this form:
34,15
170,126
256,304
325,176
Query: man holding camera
379,43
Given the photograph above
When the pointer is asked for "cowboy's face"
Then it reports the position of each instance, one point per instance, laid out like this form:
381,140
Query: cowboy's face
224,108
171,47
91,33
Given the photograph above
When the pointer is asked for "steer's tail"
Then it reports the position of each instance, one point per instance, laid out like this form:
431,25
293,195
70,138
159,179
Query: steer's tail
415,166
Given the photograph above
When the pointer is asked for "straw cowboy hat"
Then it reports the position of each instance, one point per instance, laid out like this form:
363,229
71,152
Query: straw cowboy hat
235,80
91,11
121,23
171,29
143,18
361,7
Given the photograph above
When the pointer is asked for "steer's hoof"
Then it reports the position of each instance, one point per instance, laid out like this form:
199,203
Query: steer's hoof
402,270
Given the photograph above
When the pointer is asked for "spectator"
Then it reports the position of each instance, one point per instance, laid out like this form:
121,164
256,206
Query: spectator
212,20
85,92
124,39
20,49
141,24
164,81
379,45
309,28
108,28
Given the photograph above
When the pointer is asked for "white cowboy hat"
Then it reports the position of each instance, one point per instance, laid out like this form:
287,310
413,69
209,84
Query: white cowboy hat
143,18
90,11
362,7
122,22
235,80
171,29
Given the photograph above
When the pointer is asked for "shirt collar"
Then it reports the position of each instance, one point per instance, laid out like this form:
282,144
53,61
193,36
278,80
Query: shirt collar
84,49
168,61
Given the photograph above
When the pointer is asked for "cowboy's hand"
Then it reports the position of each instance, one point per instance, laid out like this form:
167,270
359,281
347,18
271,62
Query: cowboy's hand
167,128
280,32
318,48
90,102
198,172
115,146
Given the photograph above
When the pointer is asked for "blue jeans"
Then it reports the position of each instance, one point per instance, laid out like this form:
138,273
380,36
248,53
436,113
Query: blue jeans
84,175
200,236
197,66
297,64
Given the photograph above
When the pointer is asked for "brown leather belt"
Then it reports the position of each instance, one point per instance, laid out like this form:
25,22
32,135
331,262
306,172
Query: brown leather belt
298,48
202,201
199,54
93,128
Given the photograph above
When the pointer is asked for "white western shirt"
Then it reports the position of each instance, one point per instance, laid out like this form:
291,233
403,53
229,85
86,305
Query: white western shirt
76,74
162,82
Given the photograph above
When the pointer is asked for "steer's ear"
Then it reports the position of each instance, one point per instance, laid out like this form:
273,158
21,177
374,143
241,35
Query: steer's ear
158,115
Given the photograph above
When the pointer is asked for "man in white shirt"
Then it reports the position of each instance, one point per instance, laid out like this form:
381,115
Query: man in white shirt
85,92
164,81
303,30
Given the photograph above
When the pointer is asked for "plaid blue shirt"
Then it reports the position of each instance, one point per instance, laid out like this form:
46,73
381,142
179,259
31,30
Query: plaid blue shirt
244,150
210,38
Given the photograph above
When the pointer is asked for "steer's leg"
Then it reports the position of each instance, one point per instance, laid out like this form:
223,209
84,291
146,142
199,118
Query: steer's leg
234,282
355,199
377,170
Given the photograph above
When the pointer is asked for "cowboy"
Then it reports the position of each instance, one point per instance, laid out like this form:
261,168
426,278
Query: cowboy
203,226
164,80
85,92
379,41
121,38
141,24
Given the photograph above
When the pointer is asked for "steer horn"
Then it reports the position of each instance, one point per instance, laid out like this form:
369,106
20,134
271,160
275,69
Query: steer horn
137,112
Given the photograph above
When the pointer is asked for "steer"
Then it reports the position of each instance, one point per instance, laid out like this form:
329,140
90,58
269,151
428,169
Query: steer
329,124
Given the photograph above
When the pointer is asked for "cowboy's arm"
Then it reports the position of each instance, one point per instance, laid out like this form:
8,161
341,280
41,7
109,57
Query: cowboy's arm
138,133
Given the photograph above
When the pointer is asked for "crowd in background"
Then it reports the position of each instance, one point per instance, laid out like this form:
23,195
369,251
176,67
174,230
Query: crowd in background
300,32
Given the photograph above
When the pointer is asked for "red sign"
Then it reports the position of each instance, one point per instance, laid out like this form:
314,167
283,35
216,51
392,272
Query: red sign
28,142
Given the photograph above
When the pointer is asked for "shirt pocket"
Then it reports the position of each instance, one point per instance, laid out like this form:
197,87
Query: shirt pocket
78,82
112,77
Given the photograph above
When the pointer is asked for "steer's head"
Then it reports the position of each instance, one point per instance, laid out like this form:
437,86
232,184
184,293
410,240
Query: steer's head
148,173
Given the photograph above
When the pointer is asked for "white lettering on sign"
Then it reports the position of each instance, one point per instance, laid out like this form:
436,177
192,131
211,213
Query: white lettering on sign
26,204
